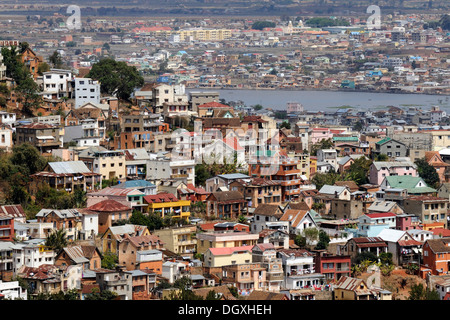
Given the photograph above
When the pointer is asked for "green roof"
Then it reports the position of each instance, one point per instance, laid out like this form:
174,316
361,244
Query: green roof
409,183
345,138
384,140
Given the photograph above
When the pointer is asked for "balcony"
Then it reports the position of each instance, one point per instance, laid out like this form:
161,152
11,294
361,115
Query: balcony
274,277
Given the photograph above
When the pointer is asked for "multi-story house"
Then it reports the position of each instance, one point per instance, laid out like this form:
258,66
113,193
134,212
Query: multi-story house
225,204
246,277
197,98
226,256
266,255
358,245
390,147
165,168
164,204
428,209
86,91
45,137
370,225
68,219
118,281
56,84
332,266
66,175
111,238
328,156
110,164
6,260
180,240
108,212
131,245
284,170
267,216
381,169
258,191
6,137
6,228
88,122
167,93
436,256
221,239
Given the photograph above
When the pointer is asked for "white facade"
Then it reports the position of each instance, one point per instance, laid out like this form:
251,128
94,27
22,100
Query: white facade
12,291
90,225
32,255
6,137
86,90
165,169
7,117
56,84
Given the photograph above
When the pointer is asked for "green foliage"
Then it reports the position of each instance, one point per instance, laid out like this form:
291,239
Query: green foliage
257,107
300,241
358,171
151,220
116,77
109,260
285,124
260,25
324,240
322,144
56,60
418,292
382,157
103,295
365,256
212,295
56,240
319,22
427,173
320,179
68,295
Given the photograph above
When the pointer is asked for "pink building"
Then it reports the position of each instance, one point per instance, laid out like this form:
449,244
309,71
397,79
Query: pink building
407,222
382,169
318,134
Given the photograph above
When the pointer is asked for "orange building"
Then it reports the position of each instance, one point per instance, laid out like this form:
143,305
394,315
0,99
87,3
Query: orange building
436,256
434,159
31,61
134,253
285,172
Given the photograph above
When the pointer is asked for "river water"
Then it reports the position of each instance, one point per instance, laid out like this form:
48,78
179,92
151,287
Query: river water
328,100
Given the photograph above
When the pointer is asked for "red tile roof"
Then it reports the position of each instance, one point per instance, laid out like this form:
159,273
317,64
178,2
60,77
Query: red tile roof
161,197
109,206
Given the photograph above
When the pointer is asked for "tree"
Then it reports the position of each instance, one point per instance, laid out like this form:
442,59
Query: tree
285,124
311,234
27,91
260,25
322,144
116,77
56,60
109,260
324,240
320,179
382,157
427,173
418,292
358,171
103,295
56,240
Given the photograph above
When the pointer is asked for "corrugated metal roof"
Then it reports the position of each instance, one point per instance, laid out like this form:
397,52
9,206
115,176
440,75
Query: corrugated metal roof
68,167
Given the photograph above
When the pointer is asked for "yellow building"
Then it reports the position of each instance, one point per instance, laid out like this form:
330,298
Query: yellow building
440,139
349,288
167,204
219,257
209,240
205,34
180,240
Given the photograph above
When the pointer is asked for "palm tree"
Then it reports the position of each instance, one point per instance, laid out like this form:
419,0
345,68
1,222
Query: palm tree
56,240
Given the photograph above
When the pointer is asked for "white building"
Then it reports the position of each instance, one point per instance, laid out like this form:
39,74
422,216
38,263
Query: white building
7,117
86,90
32,254
56,84
6,137
328,156
165,168
11,290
